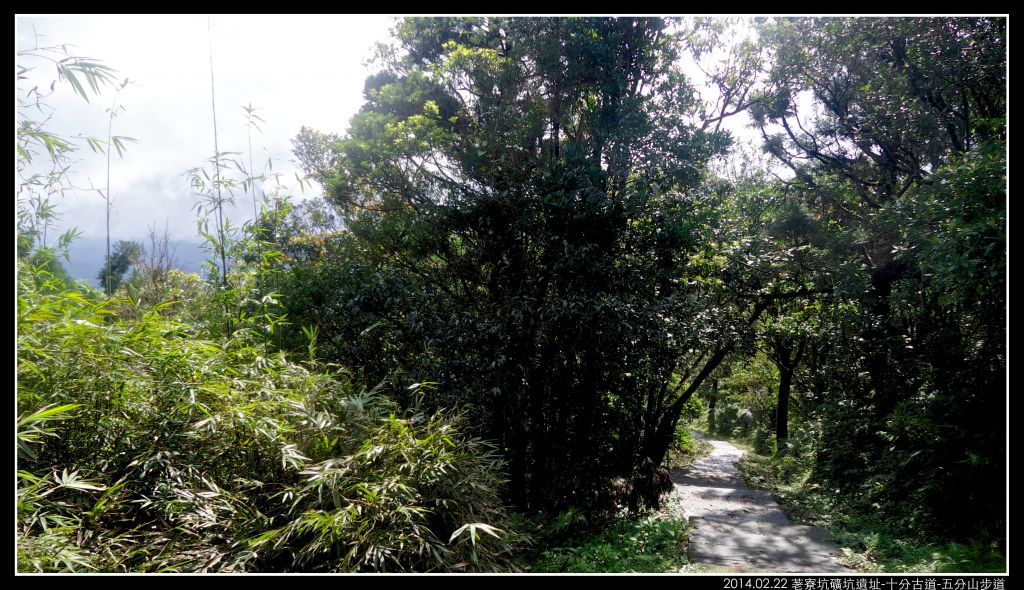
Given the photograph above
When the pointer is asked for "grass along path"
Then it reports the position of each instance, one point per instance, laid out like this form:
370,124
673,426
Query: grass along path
649,542
867,545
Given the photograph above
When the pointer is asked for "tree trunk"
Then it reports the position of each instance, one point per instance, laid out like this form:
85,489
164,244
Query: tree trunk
711,406
782,412
787,364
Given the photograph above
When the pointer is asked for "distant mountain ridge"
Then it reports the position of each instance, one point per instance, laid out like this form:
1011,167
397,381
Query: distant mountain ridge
87,257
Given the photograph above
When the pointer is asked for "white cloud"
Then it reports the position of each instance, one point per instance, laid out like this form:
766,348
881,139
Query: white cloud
297,70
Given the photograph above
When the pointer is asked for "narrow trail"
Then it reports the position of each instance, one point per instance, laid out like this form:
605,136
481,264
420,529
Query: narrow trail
736,527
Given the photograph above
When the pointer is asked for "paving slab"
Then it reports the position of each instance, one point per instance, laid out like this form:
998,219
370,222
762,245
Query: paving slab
734,526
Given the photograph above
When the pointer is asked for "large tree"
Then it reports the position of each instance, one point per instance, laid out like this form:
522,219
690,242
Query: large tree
534,182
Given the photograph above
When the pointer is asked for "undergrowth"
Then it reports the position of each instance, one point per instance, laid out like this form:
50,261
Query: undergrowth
868,544
144,446
650,541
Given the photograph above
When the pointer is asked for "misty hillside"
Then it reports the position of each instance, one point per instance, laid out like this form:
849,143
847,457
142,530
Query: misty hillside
87,257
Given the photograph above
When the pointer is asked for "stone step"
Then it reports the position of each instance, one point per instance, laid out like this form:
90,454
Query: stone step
732,505
724,493
709,480
723,530
751,564
734,515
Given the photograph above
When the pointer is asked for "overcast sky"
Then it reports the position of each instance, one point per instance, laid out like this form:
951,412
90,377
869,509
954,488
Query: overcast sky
295,69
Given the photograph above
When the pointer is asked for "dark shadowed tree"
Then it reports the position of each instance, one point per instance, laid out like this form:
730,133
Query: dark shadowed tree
531,194
125,255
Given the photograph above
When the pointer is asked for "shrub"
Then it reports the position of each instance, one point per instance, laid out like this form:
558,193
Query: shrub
143,447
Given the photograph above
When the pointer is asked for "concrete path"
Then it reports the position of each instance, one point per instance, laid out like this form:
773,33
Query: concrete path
736,527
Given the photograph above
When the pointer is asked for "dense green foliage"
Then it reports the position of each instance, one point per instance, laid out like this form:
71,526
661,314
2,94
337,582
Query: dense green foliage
522,284
173,452
535,232
906,166
868,543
